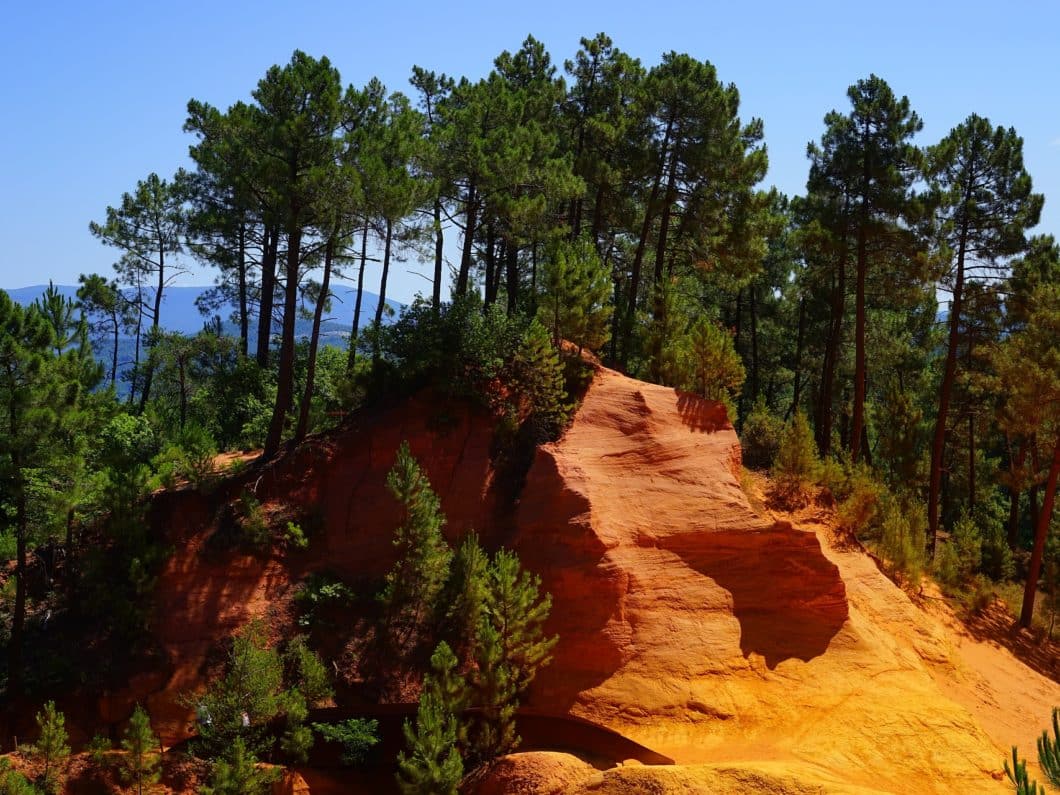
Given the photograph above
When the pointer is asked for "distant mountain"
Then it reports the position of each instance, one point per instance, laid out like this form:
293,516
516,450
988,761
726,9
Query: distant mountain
179,312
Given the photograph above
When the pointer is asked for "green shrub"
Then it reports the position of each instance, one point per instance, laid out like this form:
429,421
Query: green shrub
796,464
760,436
14,783
357,737
253,525
861,496
294,537
319,593
902,537
51,748
98,748
968,547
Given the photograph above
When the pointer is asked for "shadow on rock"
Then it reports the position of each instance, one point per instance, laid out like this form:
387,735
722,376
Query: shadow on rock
788,597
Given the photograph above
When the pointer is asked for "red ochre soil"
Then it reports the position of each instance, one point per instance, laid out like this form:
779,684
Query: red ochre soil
752,649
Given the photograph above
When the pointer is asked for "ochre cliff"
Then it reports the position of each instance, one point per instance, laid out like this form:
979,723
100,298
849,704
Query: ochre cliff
752,650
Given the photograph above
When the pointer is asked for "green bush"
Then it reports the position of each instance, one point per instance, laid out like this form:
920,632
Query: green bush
505,363
14,783
357,737
760,436
51,748
254,531
796,463
902,538
320,593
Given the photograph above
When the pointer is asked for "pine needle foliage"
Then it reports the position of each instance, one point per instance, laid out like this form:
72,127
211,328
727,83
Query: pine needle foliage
796,462
142,760
537,378
51,746
575,292
239,774
1049,751
511,648
414,584
1019,777
431,763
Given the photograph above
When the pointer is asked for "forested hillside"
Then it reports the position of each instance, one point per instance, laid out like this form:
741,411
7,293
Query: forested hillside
890,339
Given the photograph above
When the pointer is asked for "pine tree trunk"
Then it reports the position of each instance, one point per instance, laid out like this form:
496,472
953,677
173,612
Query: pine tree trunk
490,290
314,341
114,353
269,256
241,264
938,444
18,618
797,369
351,356
598,216
825,414
642,242
1041,532
511,262
387,243
285,375
436,295
664,229
183,391
754,345
471,209
860,373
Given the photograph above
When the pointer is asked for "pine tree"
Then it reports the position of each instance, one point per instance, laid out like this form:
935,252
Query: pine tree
495,693
149,228
796,462
575,291
866,165
414,583
537,377
431,763
32,397
1027,367
51,747
142,762
239,774
984,199
466,591
717,372
511,648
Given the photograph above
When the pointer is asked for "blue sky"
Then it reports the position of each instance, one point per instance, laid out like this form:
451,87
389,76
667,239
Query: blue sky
93,95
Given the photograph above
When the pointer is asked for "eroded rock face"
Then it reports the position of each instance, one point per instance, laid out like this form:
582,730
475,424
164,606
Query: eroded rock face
733,644
336,483
708,633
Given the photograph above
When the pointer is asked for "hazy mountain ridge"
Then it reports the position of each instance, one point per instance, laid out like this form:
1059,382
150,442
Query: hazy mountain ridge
180,313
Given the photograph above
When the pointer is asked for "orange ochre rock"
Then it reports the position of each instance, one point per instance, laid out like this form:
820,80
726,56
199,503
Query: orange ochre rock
756,654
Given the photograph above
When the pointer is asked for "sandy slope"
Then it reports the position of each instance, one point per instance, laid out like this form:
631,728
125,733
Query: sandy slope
714,635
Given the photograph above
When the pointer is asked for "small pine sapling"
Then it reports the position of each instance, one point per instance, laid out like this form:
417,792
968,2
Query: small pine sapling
239,773
51,747
431,763
142,760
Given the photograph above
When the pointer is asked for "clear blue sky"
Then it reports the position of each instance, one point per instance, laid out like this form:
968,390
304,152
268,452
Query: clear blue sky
93,94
